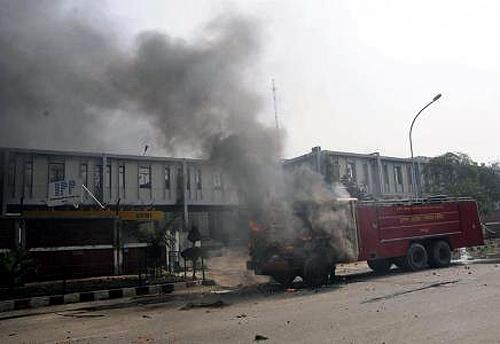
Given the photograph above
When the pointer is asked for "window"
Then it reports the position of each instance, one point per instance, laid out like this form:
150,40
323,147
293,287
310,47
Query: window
167,177
145,177
98,180
218,181
11,178
108,178
332,173
386,178
180,179
366,174
398,175
28,178
351,171
121,176
56,171
84,173
188,178
197,178
410,176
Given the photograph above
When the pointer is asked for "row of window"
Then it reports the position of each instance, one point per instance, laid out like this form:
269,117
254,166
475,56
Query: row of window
144,179
332,174
398,178
56,172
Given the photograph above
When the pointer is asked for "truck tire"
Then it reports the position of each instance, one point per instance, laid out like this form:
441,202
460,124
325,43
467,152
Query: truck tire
400,262
331,276
440,254
285,279
315,273
416,258
380,266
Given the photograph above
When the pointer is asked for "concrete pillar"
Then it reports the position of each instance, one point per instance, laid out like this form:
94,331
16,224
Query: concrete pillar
117,252
380,176
105,181
5,174
20,234
420,180
185,197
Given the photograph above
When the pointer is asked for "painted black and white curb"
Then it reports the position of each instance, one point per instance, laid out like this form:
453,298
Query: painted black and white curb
43,301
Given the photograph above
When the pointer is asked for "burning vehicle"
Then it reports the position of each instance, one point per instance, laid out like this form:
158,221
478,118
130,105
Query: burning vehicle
315,249
412,234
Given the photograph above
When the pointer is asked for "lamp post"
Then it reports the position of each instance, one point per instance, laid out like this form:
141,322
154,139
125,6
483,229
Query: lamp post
414,174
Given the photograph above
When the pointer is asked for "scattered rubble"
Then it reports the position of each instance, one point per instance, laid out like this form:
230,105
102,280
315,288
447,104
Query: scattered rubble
431,285
213,304
80,314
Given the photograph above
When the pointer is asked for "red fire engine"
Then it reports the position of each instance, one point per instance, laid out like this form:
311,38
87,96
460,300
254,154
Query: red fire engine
408,233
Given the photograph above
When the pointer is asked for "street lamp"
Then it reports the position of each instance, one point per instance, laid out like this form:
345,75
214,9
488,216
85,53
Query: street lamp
414,174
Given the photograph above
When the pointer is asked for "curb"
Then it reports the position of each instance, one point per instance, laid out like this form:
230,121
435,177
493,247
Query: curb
43,301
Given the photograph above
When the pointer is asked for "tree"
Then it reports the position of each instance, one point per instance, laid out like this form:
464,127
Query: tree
158,235
456,174
14,265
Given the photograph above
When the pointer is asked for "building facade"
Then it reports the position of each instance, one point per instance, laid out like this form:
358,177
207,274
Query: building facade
193,187
378,176
192,191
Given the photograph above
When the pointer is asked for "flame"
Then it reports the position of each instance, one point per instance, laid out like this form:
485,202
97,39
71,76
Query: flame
255,227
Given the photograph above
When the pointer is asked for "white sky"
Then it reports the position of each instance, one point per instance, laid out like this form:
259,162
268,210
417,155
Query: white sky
352,74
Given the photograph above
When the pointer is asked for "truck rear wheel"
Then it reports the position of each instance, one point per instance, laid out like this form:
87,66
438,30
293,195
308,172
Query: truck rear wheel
400,262
316,273
285,279
416,258
380,266
440,254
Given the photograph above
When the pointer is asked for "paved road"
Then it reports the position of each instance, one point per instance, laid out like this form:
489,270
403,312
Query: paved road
454,305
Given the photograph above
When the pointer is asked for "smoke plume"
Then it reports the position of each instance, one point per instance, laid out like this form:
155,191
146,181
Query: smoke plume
53,64
66,77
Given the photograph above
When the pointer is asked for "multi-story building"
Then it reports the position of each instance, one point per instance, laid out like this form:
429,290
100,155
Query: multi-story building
191,186
377,175
191,189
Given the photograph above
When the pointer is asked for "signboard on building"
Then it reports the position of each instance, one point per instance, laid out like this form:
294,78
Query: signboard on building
64,192
129,215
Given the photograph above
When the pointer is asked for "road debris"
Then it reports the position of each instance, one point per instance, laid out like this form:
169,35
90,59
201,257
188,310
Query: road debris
220,292
428,286
81,314
259,337
214,304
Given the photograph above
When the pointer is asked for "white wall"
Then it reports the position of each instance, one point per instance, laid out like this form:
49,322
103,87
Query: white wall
132,195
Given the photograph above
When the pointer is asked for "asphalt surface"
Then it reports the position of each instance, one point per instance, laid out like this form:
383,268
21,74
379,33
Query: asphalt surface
454,305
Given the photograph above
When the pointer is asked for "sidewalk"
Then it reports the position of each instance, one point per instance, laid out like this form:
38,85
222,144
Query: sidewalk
104,294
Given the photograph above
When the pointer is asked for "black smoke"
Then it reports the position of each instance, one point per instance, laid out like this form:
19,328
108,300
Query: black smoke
65,75
68,82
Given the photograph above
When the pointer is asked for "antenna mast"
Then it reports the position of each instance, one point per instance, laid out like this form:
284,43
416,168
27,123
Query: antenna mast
276,115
